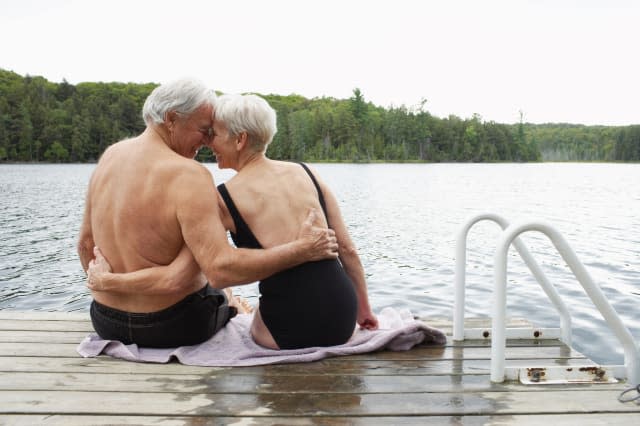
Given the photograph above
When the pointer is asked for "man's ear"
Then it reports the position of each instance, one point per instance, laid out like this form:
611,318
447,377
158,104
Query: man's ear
170,118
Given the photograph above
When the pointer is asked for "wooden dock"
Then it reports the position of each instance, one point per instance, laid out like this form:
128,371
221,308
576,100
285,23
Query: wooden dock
44,381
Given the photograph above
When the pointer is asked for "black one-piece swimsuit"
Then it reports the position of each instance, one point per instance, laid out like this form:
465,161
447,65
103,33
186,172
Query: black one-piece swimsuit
313,304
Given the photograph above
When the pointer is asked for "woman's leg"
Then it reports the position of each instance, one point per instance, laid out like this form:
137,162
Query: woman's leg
260,333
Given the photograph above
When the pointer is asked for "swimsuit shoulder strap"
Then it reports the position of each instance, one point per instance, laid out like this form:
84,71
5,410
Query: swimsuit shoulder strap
320,195
243,237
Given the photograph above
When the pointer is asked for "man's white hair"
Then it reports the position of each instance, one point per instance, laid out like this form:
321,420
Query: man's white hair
183,96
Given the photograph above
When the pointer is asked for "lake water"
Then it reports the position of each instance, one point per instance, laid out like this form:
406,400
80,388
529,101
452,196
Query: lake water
404,219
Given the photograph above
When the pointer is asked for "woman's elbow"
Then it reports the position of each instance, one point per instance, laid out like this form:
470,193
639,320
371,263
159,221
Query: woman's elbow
348,252
85,251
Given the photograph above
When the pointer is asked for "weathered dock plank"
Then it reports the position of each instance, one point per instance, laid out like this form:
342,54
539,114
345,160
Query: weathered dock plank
592,419
21,336
337,366
30,325
223,382
311,404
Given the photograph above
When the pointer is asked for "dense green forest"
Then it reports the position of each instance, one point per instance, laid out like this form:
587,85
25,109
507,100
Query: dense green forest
61,122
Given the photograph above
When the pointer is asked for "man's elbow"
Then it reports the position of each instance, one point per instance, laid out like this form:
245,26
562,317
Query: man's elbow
218,273
219,281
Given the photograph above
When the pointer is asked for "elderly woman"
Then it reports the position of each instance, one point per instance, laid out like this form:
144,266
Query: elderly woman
263,205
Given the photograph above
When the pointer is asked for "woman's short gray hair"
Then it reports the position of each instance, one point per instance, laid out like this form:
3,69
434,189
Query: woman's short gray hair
182,96
248,113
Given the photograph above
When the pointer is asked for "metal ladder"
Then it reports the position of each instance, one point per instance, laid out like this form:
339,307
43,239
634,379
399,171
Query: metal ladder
499,333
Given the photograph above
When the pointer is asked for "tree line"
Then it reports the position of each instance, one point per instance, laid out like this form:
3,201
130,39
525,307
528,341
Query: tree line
61,122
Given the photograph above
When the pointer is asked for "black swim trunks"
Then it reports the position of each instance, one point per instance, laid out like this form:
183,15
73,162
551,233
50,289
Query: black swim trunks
313,304
192,320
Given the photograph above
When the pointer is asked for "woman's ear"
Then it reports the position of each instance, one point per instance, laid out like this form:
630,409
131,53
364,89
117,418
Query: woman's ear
242,141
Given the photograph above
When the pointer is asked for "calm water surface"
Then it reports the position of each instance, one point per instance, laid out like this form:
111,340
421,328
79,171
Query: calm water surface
404,219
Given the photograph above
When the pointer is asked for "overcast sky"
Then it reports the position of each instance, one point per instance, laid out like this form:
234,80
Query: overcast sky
574,61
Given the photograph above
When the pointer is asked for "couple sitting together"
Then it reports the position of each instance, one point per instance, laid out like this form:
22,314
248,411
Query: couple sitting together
162,273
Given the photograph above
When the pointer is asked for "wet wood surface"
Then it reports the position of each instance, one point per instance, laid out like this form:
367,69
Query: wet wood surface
44,381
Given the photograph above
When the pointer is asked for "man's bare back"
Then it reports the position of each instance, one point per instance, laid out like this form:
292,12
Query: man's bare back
134,212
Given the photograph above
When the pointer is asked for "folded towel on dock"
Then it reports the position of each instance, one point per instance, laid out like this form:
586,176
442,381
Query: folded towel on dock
233,345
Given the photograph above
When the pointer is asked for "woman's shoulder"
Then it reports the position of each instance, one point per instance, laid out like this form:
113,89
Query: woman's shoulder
295,167
279,169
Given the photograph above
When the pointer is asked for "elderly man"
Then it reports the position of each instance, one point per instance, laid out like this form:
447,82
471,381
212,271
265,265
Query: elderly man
148,201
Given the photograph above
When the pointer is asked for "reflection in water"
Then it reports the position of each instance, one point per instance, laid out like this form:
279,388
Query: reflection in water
458,367
404,218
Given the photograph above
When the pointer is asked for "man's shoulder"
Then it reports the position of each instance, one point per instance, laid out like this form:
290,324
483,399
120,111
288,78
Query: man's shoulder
185,167
116,148
192,186
186,174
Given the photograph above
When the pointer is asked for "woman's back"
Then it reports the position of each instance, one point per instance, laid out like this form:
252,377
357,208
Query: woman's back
313,304
274,198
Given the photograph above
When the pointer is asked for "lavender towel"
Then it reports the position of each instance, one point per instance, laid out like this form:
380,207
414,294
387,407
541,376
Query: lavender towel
233,345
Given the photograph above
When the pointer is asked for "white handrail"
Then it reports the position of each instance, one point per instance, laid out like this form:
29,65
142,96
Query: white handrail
498,341
460,272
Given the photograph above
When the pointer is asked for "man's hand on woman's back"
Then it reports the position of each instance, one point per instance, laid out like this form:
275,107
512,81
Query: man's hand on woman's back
322,242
